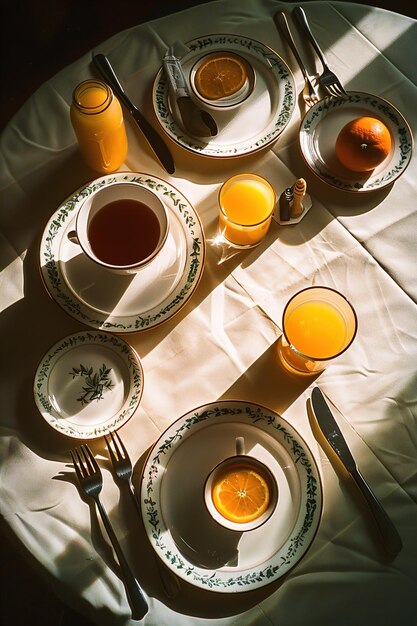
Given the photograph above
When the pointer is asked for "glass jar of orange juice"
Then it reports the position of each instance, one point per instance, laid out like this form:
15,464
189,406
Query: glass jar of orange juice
97,119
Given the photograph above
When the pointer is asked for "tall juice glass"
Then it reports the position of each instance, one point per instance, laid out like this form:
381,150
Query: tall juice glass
318,324
246,204
97,119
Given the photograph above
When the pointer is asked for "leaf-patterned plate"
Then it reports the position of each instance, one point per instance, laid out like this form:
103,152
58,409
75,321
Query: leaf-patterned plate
246,128
178,525
123,303
321,126
88,384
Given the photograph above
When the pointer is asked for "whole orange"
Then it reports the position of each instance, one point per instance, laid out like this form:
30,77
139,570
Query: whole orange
363,143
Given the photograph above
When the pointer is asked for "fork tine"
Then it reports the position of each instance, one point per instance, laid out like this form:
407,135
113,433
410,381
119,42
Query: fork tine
85,462
340,90
117,447
113,448
332,91
119,443
110,448
81,463
77,463
90,460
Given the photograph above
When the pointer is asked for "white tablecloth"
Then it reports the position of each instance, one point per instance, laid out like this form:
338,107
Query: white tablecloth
222,345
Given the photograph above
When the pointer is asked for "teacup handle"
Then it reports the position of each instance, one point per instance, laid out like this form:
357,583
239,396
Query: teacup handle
72,236
240,446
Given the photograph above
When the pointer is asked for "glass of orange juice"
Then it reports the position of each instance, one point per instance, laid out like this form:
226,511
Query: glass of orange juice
246,204
318,324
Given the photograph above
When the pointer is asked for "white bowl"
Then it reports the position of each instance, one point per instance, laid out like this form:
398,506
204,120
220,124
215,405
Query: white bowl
228,101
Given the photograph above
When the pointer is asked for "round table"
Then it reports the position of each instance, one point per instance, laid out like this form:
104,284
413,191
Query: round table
222,344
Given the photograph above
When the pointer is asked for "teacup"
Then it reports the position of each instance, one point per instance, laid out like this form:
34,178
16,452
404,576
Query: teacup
122,227
236,479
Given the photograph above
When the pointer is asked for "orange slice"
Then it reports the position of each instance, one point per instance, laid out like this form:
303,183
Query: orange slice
220,76
241,494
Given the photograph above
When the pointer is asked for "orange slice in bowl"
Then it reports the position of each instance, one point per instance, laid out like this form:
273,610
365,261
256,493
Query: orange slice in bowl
241,494
220,75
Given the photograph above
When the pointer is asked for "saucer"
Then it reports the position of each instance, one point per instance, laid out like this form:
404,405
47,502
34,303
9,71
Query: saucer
123,303
248,127
321,126
88,384
179,526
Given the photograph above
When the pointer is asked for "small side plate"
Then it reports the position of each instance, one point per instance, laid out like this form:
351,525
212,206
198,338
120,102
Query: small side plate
88,384
322,124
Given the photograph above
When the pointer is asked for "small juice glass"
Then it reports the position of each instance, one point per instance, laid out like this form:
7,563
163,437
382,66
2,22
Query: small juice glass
246,204
97,119
318,324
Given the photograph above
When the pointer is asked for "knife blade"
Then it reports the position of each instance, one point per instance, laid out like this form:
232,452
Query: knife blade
154,140
196,121
388,533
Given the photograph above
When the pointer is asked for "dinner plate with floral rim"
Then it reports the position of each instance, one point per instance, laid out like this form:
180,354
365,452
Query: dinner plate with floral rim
180,528
248,127
321,126
108,301
88,384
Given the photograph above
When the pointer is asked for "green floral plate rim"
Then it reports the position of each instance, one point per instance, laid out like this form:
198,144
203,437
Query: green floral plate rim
307,518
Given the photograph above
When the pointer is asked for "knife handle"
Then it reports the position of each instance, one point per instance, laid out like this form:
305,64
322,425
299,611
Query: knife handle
103,65
389,534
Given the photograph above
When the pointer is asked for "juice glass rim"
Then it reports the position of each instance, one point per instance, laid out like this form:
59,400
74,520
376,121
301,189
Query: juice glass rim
251,176
333,356
97,108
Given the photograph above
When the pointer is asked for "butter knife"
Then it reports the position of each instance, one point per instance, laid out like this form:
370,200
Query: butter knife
154,140
388,533
196,121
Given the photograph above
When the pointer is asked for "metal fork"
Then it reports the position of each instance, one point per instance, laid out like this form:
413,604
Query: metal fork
328,79
310,95
122,466
91,482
